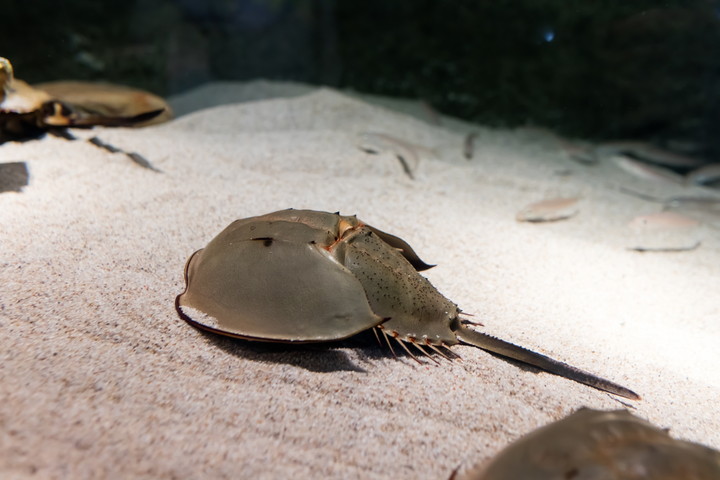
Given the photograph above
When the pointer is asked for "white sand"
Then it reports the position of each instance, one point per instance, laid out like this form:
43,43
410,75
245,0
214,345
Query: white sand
99,378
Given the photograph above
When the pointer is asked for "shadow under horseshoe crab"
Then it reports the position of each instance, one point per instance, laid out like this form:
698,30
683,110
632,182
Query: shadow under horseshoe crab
315,357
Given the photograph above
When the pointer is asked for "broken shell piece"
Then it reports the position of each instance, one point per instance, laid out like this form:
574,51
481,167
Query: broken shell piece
549,210
592,444
664,231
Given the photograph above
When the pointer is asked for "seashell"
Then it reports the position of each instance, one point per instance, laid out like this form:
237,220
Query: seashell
549,210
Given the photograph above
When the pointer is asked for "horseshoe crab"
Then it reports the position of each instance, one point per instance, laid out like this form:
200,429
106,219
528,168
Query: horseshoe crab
109,100
28,112
591,444
309,276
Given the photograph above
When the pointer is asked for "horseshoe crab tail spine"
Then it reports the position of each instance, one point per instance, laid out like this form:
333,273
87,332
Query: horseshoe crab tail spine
510,350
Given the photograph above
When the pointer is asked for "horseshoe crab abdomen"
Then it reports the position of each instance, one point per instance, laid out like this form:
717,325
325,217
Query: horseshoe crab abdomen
414,308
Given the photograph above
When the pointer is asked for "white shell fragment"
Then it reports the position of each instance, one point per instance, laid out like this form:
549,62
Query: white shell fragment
596,445
664,231
549,210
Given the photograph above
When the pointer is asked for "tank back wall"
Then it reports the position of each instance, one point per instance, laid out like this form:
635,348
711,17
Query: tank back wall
600,70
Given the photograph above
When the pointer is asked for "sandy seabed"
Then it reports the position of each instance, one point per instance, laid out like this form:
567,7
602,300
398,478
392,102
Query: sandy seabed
100,378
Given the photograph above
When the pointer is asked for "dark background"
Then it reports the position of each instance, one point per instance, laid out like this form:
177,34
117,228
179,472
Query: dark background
597,69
